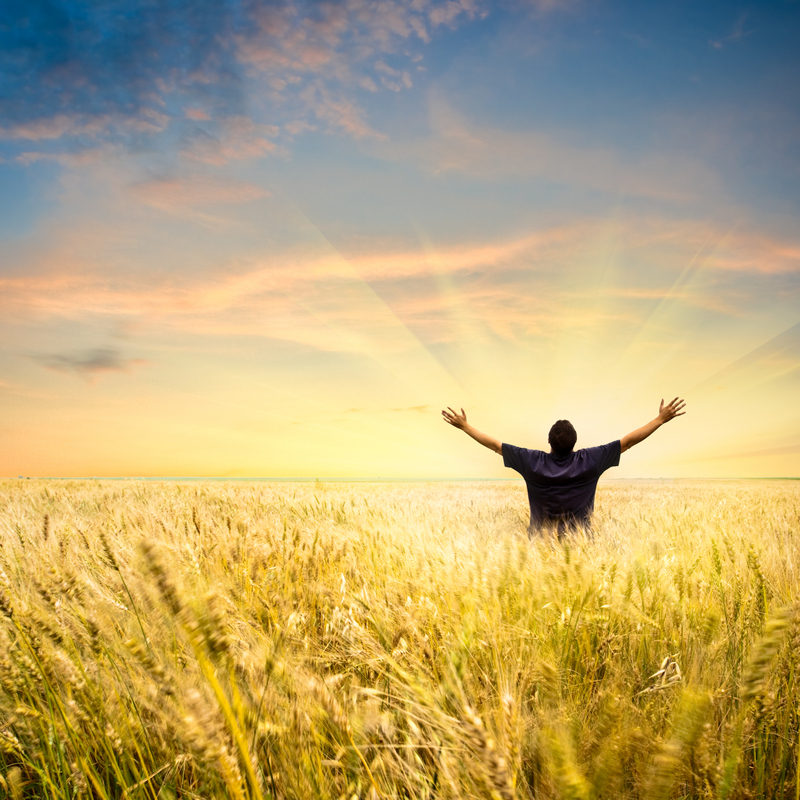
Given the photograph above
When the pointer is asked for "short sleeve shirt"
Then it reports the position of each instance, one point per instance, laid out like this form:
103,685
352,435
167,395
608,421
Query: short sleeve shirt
561,489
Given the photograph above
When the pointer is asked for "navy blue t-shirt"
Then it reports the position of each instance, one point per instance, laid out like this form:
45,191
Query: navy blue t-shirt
561,489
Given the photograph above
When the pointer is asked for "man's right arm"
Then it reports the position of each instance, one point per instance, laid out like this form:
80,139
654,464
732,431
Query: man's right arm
665,414
460,421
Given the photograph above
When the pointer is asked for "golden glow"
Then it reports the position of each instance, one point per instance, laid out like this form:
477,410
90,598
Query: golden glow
301,360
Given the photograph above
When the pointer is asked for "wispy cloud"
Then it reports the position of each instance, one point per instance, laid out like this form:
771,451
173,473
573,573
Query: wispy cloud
449,12
177,195
512,289
421,409
339,111
219,72
754,252
72,160
736,34
458,145
232,139
89,363
43,129
95,63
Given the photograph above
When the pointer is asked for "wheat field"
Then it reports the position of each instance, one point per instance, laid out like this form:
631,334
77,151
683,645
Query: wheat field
397,640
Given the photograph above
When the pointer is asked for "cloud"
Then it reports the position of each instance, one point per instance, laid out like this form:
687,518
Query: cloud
176,195
340,111
318,57
117,72
448,13
737,33
536,285
457,145
319,300
90,363
55,127
422,409
749,252
79,159
96,62
528,251
83,126
297,127
197,114
393,79
232,139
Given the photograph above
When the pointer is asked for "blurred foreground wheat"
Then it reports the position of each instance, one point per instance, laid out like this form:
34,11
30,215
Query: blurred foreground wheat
396,640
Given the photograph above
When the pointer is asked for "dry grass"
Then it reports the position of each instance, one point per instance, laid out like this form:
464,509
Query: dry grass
396,640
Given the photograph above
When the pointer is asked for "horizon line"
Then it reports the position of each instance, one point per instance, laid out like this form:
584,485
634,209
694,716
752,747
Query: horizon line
256,479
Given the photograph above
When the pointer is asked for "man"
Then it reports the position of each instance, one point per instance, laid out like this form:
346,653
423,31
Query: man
562,483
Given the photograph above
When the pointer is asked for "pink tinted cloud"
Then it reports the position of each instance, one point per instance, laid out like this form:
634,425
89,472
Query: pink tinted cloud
341,48
238,138
340,111
55,128
735,249
287,46
71,160
511,289
299,126
197,114
290,297
333,46
178,194
448,13
65,125
458,145
524,251
747,252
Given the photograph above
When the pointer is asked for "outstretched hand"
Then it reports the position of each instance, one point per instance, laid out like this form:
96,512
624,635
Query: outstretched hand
674,409
454,418
665,414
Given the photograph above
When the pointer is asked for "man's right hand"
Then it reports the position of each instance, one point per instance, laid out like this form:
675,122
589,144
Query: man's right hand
455,419
460,421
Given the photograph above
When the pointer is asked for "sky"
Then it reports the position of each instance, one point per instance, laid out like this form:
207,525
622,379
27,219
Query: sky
274,239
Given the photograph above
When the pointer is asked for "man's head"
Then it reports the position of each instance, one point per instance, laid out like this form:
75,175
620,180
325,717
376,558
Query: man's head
562,437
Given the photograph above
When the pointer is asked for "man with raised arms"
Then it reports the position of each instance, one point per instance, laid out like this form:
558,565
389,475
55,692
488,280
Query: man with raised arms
562,483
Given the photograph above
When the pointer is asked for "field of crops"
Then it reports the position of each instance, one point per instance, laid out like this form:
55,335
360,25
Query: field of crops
256,640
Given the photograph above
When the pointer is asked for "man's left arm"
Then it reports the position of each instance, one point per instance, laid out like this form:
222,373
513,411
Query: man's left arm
665,414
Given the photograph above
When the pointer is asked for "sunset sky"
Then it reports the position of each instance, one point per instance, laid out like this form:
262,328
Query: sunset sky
248,238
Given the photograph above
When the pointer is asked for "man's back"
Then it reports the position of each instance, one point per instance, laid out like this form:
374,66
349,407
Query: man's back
561,488
562,483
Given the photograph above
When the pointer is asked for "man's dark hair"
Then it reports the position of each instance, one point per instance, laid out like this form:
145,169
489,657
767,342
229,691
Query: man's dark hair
562,437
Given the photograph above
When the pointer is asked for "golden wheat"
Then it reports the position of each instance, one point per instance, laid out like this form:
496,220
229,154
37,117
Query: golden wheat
257,640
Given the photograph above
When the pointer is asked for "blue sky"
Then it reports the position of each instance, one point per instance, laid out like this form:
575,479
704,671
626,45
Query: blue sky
255,238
